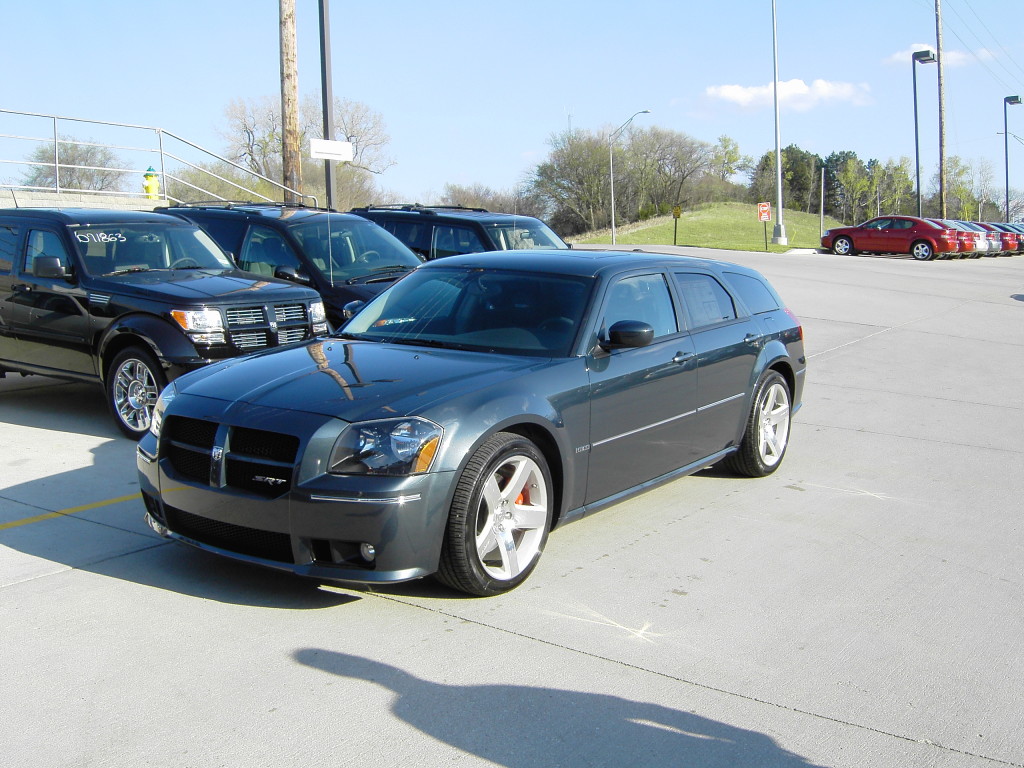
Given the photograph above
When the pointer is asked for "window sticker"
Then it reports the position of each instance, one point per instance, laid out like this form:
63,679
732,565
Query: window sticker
101,237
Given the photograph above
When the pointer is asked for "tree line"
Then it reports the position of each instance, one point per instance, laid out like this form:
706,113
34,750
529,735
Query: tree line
655,169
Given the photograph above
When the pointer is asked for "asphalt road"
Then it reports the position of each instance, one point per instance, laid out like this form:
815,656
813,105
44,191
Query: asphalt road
862,607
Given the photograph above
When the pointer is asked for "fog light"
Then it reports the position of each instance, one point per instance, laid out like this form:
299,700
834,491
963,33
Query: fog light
367,551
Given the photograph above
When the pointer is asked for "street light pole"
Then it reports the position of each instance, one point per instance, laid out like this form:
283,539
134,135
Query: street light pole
919,57
1006,149
779,233
611,161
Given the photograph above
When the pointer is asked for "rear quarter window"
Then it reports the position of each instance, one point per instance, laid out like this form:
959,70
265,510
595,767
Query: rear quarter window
755,294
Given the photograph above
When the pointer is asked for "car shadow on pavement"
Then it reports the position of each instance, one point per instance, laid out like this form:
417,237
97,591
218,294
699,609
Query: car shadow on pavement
521,726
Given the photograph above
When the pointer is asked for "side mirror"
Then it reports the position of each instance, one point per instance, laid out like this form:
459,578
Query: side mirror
292,275
349,310
627,334
49,267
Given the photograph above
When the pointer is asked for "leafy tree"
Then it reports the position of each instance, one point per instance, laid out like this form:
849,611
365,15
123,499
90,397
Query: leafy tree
574,181
800,179
82,165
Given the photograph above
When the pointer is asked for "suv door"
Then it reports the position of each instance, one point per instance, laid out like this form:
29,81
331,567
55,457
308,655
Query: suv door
50,319
10,241
265,250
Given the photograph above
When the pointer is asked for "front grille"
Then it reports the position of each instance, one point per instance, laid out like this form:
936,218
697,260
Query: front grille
257,327
245,316
256,461
290,313
266,545
254,340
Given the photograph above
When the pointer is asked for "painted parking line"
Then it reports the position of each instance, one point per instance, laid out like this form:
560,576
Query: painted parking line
67,512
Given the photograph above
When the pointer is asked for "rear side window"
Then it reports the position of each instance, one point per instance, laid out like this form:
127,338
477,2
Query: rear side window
8,244
450,241
705,300
755,294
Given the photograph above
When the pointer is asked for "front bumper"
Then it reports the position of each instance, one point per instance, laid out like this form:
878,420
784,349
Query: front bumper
333,528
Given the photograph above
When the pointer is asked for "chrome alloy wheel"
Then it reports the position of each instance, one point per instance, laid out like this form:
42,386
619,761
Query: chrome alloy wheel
773,424
512,519
135,391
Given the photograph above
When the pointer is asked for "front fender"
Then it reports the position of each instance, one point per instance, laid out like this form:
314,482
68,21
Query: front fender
172,348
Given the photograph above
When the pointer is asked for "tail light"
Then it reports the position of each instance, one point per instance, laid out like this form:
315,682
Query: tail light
795,319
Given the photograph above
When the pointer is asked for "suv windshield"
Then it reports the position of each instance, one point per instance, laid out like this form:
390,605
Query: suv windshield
523,234
113,248
344,248
499,311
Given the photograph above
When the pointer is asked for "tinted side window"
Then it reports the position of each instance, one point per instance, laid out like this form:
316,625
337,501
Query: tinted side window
228,234
449,241
8,244
414,234
44,243
755,294
705,300
645,298
264,251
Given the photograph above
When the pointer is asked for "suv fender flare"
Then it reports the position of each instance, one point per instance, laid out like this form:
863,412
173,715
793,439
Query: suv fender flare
170,346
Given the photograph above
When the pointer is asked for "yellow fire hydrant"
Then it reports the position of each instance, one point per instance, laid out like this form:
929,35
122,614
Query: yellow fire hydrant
151,184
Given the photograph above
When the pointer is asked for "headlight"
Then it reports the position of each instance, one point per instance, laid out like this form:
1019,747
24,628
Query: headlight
157,422
318,318
204,326
392,447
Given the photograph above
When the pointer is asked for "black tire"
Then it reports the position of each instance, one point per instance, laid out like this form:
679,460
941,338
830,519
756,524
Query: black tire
134,381
766,435
499,519
922,251
843,246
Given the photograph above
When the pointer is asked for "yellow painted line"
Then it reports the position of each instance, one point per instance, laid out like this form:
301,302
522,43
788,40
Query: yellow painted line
68,511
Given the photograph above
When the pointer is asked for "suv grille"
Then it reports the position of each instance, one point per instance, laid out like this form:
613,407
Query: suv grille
261,326
251,460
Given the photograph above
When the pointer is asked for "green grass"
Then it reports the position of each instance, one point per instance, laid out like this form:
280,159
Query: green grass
733,226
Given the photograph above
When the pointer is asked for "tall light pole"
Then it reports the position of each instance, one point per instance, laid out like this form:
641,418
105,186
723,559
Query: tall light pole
1006,149
611,161
779,233
919,57
327,93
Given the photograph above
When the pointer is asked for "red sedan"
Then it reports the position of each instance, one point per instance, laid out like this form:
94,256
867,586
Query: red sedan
920,238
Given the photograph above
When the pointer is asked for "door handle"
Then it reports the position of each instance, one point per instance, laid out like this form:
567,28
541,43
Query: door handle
752,339
683,357
21,288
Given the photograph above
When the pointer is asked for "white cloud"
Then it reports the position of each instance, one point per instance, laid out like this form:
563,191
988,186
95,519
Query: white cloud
795,94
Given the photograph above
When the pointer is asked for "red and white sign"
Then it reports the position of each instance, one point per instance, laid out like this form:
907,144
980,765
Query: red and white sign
764,211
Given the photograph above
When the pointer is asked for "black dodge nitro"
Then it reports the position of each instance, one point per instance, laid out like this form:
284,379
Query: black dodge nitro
132,300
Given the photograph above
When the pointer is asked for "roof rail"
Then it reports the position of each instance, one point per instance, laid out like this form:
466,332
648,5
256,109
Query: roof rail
417,208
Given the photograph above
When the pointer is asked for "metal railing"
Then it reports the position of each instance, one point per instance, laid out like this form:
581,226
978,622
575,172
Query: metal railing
157,151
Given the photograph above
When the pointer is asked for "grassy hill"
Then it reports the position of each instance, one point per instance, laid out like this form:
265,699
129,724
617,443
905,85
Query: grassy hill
718,225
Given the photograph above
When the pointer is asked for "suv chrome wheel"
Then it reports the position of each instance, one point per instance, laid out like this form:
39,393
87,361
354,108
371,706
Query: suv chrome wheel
134,382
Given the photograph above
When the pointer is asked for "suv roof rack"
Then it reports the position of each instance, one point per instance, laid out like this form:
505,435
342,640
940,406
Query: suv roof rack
228,204
417,208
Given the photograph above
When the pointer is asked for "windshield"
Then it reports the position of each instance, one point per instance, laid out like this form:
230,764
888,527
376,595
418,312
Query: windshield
113,248
511,312
343,249
523,234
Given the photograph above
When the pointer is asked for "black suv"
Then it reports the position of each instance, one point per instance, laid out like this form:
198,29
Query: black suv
132,300
437,231
344,257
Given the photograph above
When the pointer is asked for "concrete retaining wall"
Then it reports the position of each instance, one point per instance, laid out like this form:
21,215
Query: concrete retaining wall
18,198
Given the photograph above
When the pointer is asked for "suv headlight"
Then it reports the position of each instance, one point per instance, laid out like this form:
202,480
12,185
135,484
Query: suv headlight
318,317
392,447
203,326
157,422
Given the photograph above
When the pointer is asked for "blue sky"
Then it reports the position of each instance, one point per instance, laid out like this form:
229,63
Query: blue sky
471,92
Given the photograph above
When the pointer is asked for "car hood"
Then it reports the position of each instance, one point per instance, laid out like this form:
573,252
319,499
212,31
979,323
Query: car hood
201,286
352,380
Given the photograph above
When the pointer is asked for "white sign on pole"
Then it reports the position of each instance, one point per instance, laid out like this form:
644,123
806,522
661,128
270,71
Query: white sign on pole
340,151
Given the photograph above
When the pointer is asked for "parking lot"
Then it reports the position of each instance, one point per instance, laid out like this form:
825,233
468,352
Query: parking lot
864,606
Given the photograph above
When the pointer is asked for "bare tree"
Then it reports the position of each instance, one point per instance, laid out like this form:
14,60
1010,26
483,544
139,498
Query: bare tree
82,165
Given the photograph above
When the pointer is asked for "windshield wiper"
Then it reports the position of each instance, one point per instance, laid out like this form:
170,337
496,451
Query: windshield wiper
130,269
393,268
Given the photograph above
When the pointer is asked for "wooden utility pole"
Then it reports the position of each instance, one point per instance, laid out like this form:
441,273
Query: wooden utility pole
942,111
291,161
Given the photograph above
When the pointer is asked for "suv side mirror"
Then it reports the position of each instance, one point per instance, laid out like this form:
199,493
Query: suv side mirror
627,333
49,267
349,310
292,275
